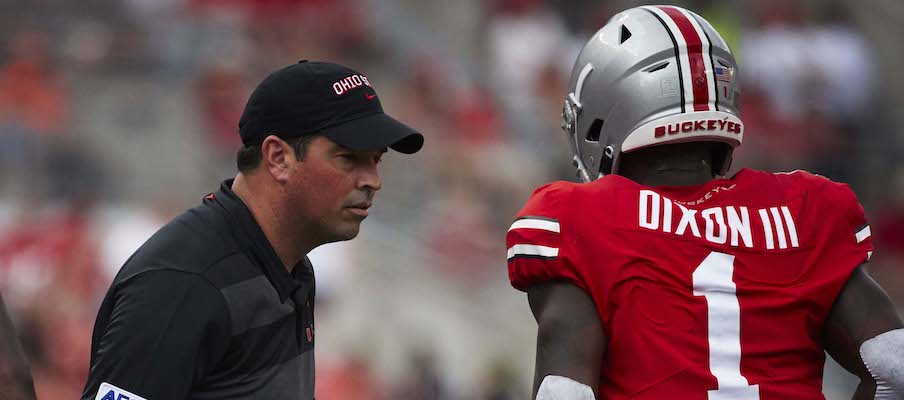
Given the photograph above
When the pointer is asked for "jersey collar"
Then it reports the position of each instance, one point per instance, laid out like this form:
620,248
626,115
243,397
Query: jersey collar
252,238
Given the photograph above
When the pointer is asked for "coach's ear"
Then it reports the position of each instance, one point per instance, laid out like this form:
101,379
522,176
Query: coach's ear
277,158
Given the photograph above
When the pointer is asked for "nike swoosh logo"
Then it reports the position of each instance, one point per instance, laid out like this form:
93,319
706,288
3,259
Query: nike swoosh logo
370,96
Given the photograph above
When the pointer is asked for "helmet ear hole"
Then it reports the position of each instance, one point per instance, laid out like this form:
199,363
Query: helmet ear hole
593,134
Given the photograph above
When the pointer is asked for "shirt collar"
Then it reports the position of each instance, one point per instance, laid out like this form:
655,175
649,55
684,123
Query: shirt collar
252,239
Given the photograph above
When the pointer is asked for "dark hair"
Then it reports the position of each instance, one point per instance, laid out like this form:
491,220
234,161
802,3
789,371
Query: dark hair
249,156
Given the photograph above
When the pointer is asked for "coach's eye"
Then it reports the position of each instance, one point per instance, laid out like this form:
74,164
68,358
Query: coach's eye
346,160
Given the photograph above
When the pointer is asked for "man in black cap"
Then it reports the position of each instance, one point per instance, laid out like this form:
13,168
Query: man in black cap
219,302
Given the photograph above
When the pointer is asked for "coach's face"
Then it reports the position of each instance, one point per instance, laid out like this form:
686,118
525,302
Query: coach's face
332,187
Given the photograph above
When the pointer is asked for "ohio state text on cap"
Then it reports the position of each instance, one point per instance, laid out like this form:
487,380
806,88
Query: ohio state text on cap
314,97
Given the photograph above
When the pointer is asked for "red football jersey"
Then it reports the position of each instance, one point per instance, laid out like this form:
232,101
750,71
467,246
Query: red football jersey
708,292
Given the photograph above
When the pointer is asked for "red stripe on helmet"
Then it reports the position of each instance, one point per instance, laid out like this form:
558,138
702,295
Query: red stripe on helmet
699,80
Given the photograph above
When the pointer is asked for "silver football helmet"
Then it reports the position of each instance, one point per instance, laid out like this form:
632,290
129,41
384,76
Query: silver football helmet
652,75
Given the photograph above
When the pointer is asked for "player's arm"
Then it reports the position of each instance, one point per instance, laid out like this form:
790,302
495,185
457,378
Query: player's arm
15,377
570,342
864,334
166,332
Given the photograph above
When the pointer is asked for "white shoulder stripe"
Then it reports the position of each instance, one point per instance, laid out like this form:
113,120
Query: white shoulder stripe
532,223
863,234
532,250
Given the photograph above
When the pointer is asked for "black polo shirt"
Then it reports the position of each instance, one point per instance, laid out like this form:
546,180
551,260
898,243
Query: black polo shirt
205,309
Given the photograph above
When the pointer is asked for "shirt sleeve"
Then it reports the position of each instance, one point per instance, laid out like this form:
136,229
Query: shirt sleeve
854,233
166,331
536,249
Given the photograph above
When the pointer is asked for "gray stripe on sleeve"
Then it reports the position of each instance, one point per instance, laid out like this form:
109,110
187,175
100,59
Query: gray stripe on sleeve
254,303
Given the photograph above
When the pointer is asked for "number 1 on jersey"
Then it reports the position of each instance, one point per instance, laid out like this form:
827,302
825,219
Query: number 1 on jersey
713,279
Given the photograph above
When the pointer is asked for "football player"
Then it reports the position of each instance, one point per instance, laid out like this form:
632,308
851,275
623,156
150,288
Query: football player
659,277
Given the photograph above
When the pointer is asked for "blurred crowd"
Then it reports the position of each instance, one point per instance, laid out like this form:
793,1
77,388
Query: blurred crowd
117,115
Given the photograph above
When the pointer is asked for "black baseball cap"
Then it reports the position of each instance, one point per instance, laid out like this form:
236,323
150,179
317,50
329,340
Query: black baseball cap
313,97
